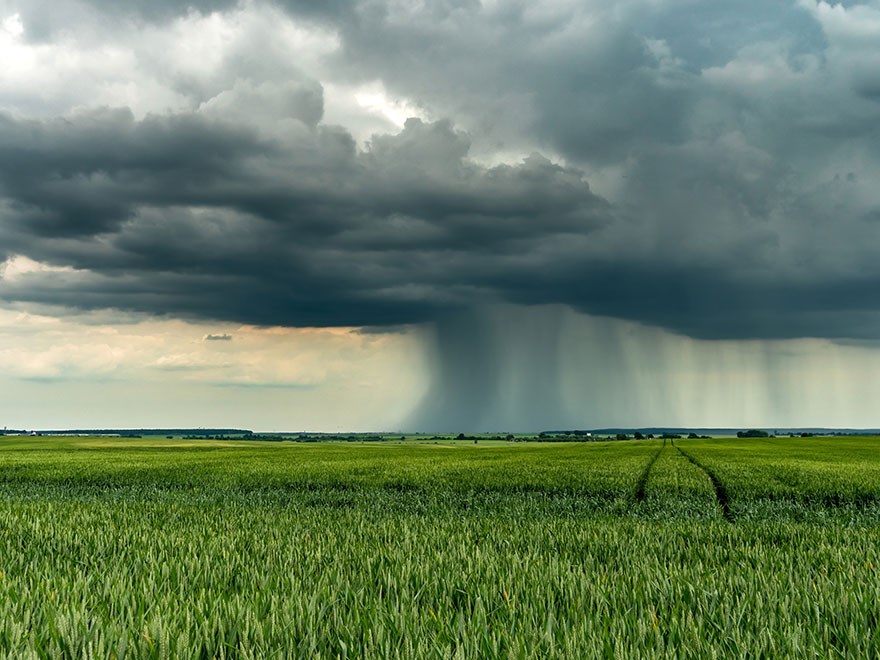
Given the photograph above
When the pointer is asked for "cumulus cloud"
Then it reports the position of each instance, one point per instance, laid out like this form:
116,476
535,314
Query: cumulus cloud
189,215
733,151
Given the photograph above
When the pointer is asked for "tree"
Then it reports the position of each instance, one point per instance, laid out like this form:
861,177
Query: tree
752,433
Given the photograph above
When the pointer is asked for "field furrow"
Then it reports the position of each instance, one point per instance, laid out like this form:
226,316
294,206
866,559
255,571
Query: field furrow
678,488
794,478
721,496
646,473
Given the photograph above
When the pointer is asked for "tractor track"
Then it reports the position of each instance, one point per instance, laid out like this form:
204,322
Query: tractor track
643,477
720,491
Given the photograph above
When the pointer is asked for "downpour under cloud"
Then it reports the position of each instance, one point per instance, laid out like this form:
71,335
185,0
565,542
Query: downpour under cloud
705,168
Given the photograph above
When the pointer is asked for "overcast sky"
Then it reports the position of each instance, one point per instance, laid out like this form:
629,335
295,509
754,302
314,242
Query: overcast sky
394,214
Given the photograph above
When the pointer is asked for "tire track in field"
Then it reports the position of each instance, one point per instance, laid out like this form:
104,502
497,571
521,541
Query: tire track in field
643,477
720,491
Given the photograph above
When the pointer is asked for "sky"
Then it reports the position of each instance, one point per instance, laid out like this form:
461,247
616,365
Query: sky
444,216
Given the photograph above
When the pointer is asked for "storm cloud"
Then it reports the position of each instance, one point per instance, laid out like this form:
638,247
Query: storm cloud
191,216
706,169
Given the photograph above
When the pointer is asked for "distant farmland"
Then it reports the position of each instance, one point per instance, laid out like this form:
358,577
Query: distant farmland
135,548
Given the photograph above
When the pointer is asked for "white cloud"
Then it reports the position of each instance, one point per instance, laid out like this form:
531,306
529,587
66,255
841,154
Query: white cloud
13,26
767,65
374,99
859,25
18,266
159,68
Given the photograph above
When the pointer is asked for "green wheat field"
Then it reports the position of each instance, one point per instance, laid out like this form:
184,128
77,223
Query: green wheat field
148,548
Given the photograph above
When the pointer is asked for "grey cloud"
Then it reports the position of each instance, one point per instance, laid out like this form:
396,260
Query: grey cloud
223,337
235,228
265,103
404,233
83,175
595,81
741,140
47,19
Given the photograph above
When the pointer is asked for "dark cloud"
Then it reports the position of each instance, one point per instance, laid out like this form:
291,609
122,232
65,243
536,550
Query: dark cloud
184,215
83,175
737,148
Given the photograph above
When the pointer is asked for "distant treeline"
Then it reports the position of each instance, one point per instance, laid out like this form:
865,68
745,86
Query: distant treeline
603,435
137,432
556,436
297,437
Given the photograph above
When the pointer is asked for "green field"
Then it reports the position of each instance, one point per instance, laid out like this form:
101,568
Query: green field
697,548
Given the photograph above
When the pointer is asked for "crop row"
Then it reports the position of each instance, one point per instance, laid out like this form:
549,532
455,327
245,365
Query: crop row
588,550
782,478
184,579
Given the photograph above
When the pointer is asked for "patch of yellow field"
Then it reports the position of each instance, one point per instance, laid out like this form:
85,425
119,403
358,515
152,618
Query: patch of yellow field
153,444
